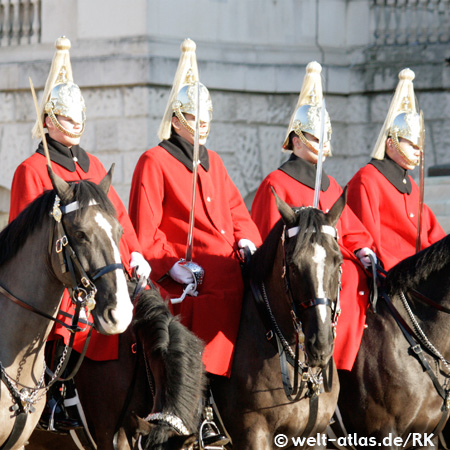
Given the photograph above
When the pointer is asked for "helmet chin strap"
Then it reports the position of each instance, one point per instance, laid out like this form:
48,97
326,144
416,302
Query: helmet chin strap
308,144
55,122
186,125
403,154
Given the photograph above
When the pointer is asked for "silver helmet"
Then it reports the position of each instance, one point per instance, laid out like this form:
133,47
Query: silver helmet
66,100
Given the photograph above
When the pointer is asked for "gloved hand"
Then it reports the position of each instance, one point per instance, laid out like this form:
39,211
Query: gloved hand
363,255
246,243
143,268
180,274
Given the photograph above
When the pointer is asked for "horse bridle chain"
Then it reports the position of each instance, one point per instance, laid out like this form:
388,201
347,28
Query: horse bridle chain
82,296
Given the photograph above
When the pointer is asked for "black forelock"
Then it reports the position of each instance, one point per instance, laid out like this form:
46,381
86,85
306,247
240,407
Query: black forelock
309,221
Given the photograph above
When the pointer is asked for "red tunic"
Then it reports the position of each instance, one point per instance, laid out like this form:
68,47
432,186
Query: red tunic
160,202
391,216
352,236
30,180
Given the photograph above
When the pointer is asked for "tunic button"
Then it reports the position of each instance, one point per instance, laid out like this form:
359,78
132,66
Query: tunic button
361,292
222,231
404,181
208,199
411,215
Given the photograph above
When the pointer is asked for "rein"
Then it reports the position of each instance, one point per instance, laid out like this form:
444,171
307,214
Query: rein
82,290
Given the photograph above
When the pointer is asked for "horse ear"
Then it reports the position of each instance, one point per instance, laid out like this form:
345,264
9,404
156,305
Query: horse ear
61,187
336,210
287,213
105,184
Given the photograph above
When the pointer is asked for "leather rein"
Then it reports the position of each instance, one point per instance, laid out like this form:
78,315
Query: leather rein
82,290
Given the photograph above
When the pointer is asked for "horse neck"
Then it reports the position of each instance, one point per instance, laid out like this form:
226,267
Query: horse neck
435,324
277,296
28,277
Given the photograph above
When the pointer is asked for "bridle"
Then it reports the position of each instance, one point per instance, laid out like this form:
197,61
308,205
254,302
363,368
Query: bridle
289,233
82,290
314,382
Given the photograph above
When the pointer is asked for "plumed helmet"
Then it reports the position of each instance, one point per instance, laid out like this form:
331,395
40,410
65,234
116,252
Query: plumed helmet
66,100
61,95
183,96
403,119
307,114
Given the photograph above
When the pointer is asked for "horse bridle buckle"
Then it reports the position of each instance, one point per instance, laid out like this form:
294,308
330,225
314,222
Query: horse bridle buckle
61,243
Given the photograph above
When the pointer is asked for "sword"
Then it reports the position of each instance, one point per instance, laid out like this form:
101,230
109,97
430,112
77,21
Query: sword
319,157
195,163
421,183
196,270
41,128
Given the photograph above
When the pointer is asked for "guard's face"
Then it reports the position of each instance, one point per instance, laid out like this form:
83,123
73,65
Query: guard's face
185,133
406,155
69,125
309,152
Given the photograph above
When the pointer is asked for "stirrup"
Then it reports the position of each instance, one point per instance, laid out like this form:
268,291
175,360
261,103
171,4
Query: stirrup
210,437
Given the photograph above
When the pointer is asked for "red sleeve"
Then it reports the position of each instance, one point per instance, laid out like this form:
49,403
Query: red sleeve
26,186
264,208
129,242
146,212
435,232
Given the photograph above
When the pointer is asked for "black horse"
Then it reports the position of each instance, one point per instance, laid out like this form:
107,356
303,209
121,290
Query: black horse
397,391
295,276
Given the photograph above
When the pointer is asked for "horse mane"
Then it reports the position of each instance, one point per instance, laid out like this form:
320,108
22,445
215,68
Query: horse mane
15,234
410,272
309,220
166,338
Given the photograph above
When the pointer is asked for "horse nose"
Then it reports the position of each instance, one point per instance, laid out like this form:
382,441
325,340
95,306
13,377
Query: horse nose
319,352
115,319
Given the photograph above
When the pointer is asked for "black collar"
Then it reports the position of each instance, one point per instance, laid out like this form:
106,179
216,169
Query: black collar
64,156
183,151
304,172
395,174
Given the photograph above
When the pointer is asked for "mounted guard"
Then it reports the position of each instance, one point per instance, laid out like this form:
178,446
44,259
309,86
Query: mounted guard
211,217
62,113
383,194
308,139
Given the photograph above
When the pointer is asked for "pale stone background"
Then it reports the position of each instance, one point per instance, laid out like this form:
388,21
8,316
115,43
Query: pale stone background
252,56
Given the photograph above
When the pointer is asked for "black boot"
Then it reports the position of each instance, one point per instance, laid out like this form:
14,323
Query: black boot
55,416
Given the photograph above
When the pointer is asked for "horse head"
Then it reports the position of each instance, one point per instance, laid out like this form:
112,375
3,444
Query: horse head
312,260
85,251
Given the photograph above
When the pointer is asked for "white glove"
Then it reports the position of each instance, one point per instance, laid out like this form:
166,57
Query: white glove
180,274
246,243
363,255
143,268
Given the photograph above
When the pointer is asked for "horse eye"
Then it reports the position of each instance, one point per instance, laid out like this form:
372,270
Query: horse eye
80,236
